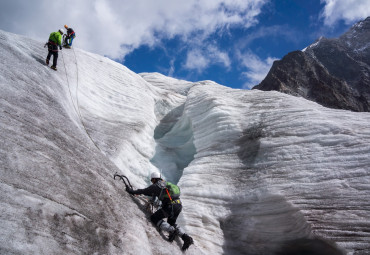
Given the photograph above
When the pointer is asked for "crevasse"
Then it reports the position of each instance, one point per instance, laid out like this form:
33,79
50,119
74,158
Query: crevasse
174,144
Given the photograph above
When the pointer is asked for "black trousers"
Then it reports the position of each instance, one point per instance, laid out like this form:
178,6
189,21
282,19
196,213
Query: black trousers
53,50
171,212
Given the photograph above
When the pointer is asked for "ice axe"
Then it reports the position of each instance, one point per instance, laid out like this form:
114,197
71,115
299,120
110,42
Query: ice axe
124,179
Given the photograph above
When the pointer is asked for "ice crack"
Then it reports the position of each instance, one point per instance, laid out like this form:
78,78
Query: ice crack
174,144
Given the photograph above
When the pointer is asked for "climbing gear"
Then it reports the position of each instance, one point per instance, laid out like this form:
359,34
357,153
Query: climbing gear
130,191
77,109
124,179
156,202
172,191
177,201
65,43
155,175
149,205
187,241
153,203
169,191
178,232
52,46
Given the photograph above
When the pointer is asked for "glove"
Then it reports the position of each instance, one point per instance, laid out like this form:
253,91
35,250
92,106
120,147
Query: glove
129,190
60,47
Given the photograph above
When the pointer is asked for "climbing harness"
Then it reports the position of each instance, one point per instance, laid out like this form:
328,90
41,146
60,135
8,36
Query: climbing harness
168,193
174,199
177,201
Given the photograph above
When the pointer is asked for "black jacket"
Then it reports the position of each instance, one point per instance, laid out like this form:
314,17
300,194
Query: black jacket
155,190
70,32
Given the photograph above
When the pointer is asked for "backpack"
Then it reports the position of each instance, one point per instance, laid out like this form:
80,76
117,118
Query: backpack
173,191
170,191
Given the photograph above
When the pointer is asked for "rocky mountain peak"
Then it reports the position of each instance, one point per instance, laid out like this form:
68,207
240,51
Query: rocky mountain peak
332,72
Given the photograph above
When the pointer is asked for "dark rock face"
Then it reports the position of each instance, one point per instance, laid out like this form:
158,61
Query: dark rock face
332,72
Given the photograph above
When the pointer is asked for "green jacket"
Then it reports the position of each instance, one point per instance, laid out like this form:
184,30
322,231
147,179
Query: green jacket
56,37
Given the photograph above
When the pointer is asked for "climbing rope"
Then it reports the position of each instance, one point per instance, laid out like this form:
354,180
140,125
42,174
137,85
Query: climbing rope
78,111
69,89
78,107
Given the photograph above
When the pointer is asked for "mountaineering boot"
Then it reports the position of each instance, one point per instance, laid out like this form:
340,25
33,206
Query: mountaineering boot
187,241
53,67
47,62
67,46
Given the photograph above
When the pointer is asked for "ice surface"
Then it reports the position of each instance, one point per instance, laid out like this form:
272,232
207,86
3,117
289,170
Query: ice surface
256,169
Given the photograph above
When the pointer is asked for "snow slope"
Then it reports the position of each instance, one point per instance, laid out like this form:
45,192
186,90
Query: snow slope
256,169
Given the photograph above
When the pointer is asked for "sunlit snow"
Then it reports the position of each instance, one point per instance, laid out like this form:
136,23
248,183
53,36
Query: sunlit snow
256,169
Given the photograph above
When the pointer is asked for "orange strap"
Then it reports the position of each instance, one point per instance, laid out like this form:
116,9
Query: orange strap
168,193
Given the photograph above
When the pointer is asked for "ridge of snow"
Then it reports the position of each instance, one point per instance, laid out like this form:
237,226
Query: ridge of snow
315,44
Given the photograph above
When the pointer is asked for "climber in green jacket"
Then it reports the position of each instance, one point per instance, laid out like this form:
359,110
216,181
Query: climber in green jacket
55,40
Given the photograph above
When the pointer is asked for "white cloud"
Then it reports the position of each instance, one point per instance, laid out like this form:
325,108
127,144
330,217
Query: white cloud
218,56
347,10
285,32
196,60
171,70
201,58
116,27
257,68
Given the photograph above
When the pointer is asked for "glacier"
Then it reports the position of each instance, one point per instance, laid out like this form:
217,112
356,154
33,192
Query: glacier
258,171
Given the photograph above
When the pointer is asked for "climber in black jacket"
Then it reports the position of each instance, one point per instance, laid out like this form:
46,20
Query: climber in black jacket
170,209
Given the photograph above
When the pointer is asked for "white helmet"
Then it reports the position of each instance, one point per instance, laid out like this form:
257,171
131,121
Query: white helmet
61,31
155,175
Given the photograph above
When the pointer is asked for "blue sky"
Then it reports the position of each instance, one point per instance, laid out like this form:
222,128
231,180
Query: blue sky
283,26
232,42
